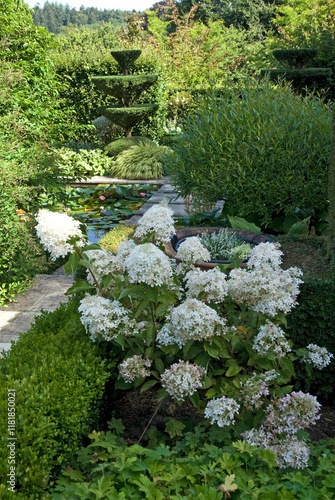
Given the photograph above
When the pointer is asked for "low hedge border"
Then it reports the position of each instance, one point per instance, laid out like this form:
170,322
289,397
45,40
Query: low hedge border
313,322
58,377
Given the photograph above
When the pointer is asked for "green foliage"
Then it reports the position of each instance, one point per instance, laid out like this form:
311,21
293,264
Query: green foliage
126,58
254,16
225,245
331,197
116,147
125,88
297,73
142,161
313,322
128,117
22,177
54,17
107,468
309,26
113,238
263,149
80,164
295,58
58,378
31,88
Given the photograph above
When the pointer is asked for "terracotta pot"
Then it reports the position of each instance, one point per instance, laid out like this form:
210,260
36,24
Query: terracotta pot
248,236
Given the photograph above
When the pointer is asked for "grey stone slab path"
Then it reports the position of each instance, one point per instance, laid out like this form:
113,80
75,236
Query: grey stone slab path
175,202
47,293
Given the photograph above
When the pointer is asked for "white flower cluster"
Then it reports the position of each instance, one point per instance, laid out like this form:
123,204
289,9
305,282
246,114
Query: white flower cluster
55,229
212,283
290,452
222,411
125,247
271,338
255,389
192,320
264,286
266,254
148,264
182,379
105,318
284,417
157,221
134,367
292,412
191,250
102,264
318,356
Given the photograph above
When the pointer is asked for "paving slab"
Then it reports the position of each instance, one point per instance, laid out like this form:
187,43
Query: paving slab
47,293
105,179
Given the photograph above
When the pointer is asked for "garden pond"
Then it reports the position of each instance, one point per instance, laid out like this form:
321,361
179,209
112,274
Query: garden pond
101,207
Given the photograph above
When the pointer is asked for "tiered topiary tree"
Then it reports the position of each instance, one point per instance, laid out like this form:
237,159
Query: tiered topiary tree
127,89
296,71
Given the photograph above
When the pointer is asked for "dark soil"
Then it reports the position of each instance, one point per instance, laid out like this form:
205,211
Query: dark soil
137,409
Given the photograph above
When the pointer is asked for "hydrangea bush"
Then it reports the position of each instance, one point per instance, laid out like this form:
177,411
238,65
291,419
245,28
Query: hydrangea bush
213,338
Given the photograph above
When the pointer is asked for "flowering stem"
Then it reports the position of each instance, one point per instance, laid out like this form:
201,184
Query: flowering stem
153,416
129,345
152,314
95,280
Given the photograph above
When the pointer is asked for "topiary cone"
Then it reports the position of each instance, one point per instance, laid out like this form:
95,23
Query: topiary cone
126,58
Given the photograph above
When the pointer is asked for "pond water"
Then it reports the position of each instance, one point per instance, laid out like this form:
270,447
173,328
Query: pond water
94,235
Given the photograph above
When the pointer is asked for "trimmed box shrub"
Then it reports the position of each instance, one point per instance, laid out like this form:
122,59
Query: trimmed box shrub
58,377
313,322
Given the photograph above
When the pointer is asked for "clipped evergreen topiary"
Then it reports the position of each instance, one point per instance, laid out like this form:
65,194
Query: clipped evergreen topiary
296,72
143,161
127,89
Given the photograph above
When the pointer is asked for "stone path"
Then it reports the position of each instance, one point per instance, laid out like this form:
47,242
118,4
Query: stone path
48,291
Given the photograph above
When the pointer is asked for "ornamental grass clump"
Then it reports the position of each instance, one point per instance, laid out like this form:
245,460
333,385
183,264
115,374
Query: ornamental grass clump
142,161
211,339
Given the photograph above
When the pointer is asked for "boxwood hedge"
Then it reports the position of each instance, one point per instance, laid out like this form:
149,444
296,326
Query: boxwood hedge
58,378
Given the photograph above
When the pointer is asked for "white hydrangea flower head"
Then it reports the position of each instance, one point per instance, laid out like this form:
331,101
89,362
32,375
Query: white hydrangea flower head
292,412
134,367
212,283
222,411
157,221
265,289
191,320
148,264
182,379
266,254
320,357
253,391
271,338
102,264
290,452
105,318
125,247
55,229
192,250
